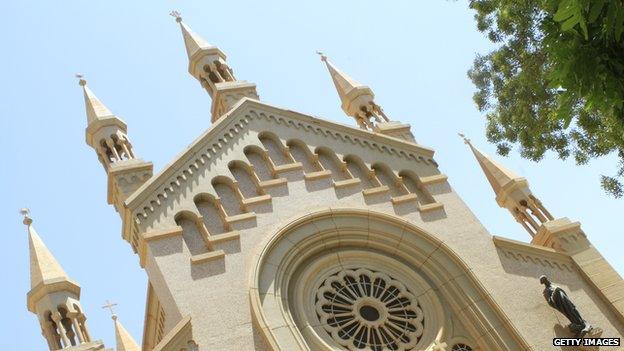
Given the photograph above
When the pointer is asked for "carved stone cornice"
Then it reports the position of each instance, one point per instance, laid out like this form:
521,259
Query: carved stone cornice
533,254
211,143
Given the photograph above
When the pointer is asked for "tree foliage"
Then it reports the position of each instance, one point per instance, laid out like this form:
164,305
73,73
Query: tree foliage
555,81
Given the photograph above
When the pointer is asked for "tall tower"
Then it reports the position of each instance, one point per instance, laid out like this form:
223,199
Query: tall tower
358,101
562,235
107,135
207,63
55,299
512,192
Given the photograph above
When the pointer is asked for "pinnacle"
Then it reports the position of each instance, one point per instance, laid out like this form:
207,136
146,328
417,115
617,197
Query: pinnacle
497,175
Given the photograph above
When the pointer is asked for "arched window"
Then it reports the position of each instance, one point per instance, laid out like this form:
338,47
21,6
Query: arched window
246,179
212,213
257,158
190,233
359,170
387,178
301,153
229,195
413,185
277,151
330,161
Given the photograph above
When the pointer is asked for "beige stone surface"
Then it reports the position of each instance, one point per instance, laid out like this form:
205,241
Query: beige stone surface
55,299
125,341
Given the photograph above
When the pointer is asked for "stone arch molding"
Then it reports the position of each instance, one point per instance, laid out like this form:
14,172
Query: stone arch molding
294,263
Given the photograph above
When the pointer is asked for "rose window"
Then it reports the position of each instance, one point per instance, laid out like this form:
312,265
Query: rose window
461,347
366,309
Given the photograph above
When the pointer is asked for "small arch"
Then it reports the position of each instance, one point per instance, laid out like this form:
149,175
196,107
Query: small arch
190,232
229,194
301,153
330,161
387,177
277,151
211,212
51,327
358,168
258,159
414,186
107,151
117,143
67,325
246,178
211,75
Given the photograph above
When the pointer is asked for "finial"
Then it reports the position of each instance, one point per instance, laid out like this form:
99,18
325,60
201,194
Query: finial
26,213
463,136
109,305
81,80
322,54
177,15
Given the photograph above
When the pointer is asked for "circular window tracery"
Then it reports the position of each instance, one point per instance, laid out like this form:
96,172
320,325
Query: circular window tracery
461,347
366,309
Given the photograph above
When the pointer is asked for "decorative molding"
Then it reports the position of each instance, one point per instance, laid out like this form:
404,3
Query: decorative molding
207,257
438,178
534,254
149,196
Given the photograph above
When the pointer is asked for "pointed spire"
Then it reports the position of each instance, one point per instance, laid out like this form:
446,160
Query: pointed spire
44,267
192,41
512,192
497,174
344,84
358,101
125,342
94,107
207,64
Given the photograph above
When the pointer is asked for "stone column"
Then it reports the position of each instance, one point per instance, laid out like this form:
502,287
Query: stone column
56,317
76,325
111,145
85,331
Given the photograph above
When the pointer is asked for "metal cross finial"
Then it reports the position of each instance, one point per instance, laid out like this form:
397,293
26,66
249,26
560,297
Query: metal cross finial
109,305
26,213
177,15
322,54
81,79
463,136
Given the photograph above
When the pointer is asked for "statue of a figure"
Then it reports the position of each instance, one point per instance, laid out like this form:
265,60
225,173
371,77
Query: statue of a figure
559,300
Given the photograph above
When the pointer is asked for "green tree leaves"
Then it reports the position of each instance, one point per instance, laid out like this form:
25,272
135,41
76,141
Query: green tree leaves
570,14
556,81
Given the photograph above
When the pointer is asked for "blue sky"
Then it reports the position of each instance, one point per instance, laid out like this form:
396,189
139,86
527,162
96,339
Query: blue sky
413,54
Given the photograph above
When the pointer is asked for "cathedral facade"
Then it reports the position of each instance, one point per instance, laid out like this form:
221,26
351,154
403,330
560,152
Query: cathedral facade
275,230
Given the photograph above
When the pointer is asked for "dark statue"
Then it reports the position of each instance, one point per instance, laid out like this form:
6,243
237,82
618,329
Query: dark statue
559,300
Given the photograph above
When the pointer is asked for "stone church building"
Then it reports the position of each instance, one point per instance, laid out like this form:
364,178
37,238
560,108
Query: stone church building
276,230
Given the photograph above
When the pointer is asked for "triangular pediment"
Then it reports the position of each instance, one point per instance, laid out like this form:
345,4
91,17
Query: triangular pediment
238,120
382,162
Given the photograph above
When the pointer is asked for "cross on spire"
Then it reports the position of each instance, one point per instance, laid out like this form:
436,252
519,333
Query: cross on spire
26,213
463,136
177,15
323,56
109,305
81,79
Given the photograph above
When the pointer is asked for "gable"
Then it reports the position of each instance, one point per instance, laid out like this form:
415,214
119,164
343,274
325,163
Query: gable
226,140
